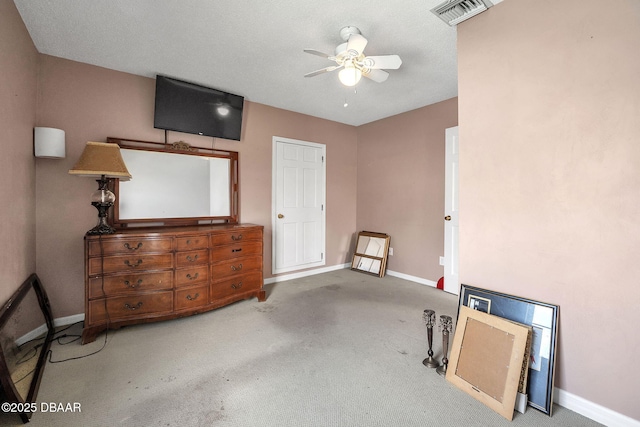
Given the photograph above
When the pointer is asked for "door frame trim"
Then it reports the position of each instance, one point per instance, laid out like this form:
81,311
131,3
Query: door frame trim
451,242
274,164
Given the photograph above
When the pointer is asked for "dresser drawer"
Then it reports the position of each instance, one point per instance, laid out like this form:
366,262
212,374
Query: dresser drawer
236,285
186,259
129,283
129,246
134,306
235,267
191,276
192,242
237,250
193,297
236,237
130,263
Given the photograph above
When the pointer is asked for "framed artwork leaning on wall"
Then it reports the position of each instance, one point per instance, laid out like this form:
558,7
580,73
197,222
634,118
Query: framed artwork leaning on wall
543,319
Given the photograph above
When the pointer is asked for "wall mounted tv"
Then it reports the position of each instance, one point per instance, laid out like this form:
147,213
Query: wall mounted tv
187,107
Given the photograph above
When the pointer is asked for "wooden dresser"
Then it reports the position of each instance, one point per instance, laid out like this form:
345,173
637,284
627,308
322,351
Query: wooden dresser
152,274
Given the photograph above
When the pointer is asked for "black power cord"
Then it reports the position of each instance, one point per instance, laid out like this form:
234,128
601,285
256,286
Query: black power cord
75,338
78,337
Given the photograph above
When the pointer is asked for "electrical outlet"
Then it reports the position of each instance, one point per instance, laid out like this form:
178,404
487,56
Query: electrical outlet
391,251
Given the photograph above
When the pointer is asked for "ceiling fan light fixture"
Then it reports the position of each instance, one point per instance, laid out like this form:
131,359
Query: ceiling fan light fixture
350,75
353,64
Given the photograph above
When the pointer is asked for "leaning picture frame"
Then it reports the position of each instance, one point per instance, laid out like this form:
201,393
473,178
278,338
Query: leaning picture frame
370,255
543,318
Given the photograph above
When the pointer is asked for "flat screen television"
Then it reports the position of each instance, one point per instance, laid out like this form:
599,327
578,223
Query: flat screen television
187,107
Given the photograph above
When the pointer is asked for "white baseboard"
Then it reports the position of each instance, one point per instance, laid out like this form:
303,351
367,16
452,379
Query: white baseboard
305,273
68,320
416,279
41,330
592,410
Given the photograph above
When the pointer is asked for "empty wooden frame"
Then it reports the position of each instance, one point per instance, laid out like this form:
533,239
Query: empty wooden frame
371,253
487,358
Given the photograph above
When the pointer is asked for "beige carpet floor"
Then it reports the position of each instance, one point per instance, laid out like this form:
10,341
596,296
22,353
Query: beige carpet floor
336,349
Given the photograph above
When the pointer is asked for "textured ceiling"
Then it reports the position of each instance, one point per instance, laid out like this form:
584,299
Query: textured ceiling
254,48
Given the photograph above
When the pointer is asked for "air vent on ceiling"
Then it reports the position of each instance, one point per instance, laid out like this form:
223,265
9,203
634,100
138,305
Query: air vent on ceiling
455,11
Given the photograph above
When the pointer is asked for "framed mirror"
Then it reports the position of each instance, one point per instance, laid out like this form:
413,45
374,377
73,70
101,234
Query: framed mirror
26,330
371,253
175,184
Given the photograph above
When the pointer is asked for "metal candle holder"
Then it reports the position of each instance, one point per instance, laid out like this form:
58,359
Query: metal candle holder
445,325
429,317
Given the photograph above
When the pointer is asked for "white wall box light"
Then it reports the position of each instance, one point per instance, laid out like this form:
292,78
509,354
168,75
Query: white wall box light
49,143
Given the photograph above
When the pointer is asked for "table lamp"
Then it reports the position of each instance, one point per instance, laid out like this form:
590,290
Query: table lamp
102,160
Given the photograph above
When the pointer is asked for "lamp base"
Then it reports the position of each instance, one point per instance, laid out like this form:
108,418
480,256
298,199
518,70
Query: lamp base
102,227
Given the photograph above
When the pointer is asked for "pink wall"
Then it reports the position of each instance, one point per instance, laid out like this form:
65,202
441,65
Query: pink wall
401,185
91,103
18,62
549,184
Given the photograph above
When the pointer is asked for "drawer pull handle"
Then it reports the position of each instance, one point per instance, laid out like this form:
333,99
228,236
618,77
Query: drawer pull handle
238,268
128,284
126,245
238,286
236,250
190,277
236,238
193,298
128,263
192,259
135,307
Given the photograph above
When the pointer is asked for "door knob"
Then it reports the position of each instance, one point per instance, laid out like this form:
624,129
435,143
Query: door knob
447,218
280,216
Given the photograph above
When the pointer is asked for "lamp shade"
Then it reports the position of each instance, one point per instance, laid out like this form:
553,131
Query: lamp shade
48,143
100,158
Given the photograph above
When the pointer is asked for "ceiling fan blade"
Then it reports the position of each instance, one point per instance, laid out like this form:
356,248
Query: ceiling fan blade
356,43
318,53
388,62
376,75
324,70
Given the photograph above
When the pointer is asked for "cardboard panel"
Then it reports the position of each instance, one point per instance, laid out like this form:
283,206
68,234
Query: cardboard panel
484,342
487,357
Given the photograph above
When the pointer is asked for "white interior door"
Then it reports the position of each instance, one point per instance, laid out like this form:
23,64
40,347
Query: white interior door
298,204
451,276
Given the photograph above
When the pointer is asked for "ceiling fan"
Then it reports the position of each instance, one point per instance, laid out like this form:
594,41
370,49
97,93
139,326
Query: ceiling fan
352,62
